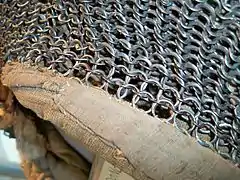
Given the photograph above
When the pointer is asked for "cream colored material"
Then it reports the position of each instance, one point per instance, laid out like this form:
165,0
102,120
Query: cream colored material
103,170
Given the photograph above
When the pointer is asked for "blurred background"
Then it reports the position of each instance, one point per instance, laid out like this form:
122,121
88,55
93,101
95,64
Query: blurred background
9,159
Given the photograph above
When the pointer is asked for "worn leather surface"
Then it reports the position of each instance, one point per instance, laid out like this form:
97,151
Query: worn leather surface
139,144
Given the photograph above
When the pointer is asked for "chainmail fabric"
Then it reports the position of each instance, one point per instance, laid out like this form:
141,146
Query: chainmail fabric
177,60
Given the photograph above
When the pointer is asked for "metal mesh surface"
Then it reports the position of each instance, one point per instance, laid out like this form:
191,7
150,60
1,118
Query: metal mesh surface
177,60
